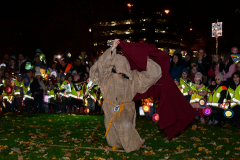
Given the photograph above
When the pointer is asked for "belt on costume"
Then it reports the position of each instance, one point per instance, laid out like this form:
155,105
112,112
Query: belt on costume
120,109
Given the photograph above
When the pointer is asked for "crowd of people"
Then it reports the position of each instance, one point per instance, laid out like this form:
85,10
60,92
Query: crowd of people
36,86
215,80
61,86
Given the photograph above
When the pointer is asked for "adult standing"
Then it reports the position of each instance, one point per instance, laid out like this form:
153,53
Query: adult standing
216,61
65,66
21,60
226,67
119,84
80,68
176,66
203,64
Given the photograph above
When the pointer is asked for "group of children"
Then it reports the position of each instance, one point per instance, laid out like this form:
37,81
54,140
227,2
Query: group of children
47,93
219,96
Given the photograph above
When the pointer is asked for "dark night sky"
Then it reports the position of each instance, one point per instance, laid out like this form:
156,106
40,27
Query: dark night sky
58,25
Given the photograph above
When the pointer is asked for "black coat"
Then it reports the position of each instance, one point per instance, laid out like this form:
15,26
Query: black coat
35,89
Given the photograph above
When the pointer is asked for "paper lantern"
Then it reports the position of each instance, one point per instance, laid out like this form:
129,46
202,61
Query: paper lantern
69,55
202,102
146,108
207,111
87,110
85,101
155,117
28,66
228,113
8,90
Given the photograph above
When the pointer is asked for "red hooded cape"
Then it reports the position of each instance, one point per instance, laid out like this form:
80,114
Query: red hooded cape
175,112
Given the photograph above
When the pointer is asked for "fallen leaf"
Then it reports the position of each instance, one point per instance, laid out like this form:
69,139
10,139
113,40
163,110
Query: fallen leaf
20,157
218,147
87,153
68,154
114,148
227,152
179,147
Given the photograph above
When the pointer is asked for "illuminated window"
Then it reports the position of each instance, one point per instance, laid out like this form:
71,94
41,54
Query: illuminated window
156,40
163,31
94,43
144,29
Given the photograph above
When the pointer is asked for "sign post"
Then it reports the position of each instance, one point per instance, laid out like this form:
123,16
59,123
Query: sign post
216,32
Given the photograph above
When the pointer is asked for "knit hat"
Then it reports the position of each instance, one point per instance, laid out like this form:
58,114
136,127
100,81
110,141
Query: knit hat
233,48
62,76
53,73
212,78
74,72
178,80
19,74
194,60
13,57
38,73
185,70
178,51
198,76
219,76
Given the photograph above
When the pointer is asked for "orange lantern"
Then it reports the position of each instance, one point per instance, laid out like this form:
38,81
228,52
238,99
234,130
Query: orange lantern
87,110
146,108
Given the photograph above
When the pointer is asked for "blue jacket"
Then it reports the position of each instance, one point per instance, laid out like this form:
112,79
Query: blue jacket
176,71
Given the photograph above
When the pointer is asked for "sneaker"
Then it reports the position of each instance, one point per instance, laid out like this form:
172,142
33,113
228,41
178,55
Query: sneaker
202,120
197,117
215,122
210,122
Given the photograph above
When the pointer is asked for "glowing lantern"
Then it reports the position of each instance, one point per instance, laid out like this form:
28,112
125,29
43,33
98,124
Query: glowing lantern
87,110
146,108
8,90
155,117
207,111
228,113
99,102
69,55
28,66
85,101
202,102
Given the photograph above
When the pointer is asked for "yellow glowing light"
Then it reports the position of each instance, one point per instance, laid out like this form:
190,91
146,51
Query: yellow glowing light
146,108
228,113
90,30
166,11
129,5
190,29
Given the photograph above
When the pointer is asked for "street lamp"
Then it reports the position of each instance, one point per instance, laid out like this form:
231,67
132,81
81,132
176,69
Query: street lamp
129,5
90,30
190,29
166,11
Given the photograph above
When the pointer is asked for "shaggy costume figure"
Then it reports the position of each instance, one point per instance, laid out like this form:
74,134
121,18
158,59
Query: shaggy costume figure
118,93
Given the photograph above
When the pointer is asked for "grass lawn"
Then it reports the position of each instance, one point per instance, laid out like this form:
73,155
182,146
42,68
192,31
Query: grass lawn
60,136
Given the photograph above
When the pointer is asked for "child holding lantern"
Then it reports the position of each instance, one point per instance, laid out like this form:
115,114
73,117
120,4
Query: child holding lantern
197,92
8,95
18,86
234,98
50,89
185,84
219,101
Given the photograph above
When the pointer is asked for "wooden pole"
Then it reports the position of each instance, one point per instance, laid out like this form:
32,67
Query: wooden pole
217,45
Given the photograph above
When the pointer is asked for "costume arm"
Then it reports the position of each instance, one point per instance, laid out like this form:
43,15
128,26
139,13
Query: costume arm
105,61
145,79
